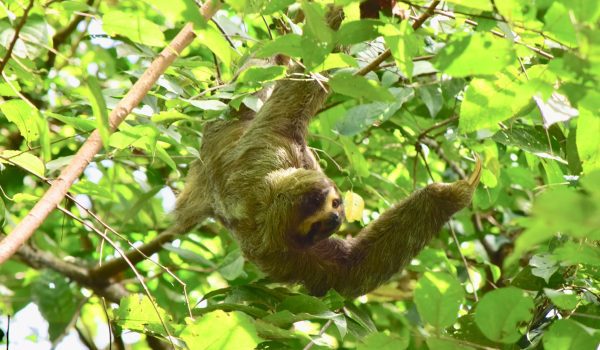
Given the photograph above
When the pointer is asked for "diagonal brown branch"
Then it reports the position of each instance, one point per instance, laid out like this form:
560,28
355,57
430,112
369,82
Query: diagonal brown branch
16,37
60,186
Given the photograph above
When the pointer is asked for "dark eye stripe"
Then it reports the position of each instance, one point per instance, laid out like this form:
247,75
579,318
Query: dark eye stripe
311,202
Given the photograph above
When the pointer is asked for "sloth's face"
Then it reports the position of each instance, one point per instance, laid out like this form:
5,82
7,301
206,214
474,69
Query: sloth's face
320,213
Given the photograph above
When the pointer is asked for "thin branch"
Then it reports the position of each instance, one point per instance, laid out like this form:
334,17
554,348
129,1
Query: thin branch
500,35
437,148
60,186
16,36
38,259
387,53
464,260
436,126
321,332
135,271
61,36
150,247
115,266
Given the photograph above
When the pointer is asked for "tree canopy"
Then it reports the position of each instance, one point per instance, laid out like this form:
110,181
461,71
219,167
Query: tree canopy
419,90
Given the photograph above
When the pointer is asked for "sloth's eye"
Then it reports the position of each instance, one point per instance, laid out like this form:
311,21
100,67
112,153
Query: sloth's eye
336,203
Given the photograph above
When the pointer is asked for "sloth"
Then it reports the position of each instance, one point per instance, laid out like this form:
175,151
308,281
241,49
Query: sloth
257,176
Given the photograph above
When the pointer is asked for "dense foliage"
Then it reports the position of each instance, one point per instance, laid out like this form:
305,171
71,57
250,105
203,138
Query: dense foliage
513,81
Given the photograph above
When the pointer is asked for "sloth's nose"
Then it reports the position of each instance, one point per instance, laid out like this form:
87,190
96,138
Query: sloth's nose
334,218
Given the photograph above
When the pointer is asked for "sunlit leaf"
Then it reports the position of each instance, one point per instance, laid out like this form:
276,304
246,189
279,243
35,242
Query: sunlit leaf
359,87
475,54
353,206
134,27
25,160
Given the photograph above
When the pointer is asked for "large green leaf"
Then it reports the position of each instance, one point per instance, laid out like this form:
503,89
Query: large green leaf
438,297
475,54
501,312
134,27
220,330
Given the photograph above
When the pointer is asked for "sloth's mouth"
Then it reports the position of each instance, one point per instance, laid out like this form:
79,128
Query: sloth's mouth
322,229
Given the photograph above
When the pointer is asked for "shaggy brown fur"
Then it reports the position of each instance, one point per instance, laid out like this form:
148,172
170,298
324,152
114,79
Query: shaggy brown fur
258,177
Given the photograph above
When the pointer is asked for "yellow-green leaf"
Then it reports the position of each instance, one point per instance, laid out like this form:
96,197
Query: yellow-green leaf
353,206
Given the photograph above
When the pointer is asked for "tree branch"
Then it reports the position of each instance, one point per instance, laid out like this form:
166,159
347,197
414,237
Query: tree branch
16,37
38,259
387,53
60,186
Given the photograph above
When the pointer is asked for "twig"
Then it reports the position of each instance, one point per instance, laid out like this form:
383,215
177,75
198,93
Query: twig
60,186
500,35
16,36
135,271
40,259
321,332
137,254
437,148
464,260
387,53
436,126
61,36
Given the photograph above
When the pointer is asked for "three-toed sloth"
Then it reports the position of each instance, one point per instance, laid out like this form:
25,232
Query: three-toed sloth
257,176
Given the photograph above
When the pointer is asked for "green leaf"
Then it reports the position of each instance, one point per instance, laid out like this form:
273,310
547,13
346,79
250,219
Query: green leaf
190,256
475,54
179,11
353,32
382,341
578,253
133,26
357,160
289,44
568,335
76,122
431,95
24,160
362,117
558,22
232,266
488,102
34,38
359,87
588,129
480,5
57,301
169,117
99,109
403,45
438,297
543,266
212,38
337,60
137,313
255,76
24,116
303,304
501,312
315,26
208,105
219,330
561,299
534,139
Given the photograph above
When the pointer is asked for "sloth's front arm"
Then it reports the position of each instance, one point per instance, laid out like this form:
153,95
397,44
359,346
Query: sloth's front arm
358,265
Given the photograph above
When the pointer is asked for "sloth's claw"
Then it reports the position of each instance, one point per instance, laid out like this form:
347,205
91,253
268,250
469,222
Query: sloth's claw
473,180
